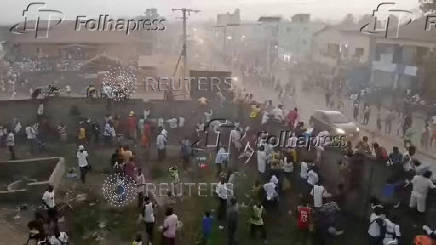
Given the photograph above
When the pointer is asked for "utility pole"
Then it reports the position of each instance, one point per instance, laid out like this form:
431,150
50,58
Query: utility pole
184,48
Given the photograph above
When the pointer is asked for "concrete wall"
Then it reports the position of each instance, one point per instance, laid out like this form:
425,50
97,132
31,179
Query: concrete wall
44,170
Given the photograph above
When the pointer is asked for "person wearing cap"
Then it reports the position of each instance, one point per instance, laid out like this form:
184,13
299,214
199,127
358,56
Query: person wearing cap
132,125
82,158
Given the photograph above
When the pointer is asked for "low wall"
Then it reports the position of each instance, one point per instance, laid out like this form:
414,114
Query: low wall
37,174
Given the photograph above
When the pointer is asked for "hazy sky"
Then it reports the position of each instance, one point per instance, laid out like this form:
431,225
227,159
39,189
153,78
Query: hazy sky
250,9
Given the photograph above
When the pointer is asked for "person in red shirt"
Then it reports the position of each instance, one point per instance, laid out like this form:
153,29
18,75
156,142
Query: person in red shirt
132,125
292,117
130,168
304,221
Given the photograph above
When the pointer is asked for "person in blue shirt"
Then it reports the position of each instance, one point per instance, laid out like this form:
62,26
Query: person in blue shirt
207,224
395,158
388,192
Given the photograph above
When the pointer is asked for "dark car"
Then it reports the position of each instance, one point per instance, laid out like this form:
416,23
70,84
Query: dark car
334,122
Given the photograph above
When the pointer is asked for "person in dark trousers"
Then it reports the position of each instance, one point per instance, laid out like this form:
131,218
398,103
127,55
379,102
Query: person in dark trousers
256,221
82,158
149,218
355,110
206,225
10,143
232,221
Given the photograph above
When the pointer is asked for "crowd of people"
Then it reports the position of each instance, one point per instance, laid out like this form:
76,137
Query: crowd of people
319,211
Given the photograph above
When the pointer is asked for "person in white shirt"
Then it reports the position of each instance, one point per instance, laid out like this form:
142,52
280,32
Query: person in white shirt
265,117
312,177
303,170
48,197
392,233
221,159
235,137
208,116
48,200
270,190
288,166
278,113
170,226
319,192
59,237
40,110
172,122
421,185
161,142
10,143
141,125
181,122
109,133
261,160
17,126
222,193
292,141
146,114
82,158
31,138
408,159
149,218
140,186
375,224
160,122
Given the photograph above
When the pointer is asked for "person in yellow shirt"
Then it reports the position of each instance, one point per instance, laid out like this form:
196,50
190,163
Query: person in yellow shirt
82,134
256,221
255,111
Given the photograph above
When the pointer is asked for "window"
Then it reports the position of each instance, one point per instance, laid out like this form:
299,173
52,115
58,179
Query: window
358,52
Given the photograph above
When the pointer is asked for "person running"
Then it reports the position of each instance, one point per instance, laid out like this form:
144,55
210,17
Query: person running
392,233
161,142
48,200
418,197
232,221
261,160
256,221
169,227
222,193
376,226
319,193
206,224
149,218
10,143
82,158
304,220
